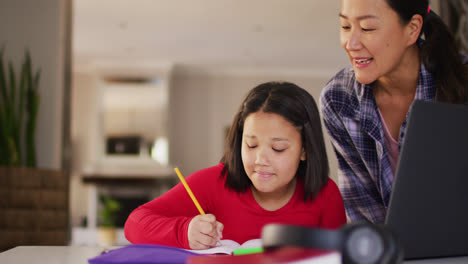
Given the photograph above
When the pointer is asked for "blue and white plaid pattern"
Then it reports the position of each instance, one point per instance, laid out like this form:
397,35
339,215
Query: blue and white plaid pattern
351,117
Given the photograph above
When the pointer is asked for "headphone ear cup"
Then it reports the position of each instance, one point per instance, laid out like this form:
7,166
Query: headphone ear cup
363,244
395,252
370,244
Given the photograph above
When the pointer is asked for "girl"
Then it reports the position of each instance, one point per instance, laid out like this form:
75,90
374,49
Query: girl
274,170
364,107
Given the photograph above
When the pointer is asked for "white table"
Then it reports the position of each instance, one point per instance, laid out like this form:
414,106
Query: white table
50,254
81,254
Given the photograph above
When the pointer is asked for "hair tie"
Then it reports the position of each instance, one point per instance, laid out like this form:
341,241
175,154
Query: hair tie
428,9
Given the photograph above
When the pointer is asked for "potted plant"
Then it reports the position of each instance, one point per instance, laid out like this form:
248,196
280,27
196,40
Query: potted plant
19,100
107,232
33,201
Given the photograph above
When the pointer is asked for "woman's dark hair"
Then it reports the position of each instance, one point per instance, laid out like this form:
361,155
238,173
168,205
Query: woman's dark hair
298,107
439,52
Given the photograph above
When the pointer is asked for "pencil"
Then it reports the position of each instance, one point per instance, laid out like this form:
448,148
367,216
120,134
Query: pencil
189,191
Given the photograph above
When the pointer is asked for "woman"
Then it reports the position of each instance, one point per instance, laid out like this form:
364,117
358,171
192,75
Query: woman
364,107
274,170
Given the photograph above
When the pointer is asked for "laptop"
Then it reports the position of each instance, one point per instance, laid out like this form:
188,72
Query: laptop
428,207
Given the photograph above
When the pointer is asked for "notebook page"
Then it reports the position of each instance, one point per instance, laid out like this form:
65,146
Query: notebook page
227,247
253,243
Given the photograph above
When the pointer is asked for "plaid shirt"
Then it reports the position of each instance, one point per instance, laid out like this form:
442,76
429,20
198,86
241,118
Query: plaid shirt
351,118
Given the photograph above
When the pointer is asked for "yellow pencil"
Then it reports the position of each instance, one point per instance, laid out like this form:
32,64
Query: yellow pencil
189,191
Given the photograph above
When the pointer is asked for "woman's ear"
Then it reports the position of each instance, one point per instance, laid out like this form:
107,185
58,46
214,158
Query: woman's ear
414,28
303,155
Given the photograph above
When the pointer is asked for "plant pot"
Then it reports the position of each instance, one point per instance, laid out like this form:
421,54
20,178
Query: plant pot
33,207
107,236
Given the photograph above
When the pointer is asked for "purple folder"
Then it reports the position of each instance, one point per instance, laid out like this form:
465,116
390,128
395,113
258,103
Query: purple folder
143,254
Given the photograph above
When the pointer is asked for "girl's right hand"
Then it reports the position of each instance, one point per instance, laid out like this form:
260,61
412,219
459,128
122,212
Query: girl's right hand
204,232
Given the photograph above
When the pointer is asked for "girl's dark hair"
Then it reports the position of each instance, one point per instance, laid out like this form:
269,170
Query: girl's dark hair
439,52
298,107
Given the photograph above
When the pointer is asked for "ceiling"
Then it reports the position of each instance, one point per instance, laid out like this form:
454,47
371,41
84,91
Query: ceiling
253,34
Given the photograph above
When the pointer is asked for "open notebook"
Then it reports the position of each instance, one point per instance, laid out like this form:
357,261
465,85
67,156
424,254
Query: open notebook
227,247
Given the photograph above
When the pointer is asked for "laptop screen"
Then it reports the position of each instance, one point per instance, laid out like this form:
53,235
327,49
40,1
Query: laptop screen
429,203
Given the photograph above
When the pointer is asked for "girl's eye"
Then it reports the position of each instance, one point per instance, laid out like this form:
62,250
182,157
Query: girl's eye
251,147
368,29
345,27
279,150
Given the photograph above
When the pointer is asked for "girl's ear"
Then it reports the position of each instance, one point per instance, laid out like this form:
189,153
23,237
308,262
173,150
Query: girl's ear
303,155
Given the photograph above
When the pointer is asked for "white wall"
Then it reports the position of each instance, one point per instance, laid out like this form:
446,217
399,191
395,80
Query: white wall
40,26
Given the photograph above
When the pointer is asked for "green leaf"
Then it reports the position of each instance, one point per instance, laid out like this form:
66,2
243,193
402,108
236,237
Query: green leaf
12,87
3,84
36,79
32,106
26,67
32,142
13,152
108,212
3,143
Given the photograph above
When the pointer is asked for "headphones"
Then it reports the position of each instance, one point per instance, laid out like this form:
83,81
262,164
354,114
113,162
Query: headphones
359,243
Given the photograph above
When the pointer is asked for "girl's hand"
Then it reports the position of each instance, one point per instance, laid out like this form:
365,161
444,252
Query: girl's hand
204,232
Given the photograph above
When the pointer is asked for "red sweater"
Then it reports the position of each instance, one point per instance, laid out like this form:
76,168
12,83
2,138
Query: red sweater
165,219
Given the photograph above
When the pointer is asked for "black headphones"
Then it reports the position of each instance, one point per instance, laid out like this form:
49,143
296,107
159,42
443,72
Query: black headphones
359,243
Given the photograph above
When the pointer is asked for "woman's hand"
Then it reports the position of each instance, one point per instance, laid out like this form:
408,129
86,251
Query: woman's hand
204,232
